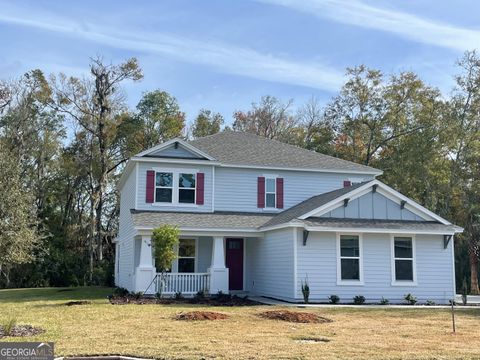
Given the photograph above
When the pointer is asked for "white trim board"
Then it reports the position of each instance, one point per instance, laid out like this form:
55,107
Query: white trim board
182,142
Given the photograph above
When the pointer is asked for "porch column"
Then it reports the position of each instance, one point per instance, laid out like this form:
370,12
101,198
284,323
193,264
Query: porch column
218,271
145,271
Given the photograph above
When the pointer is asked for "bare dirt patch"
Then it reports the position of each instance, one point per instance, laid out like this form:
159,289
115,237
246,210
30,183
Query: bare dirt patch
22,330
201,315
294,316
78,302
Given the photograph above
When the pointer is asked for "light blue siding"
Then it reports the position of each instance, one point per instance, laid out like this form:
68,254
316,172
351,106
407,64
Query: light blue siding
270,264
179,152
318,261
204,253
372,206
236,189
142,184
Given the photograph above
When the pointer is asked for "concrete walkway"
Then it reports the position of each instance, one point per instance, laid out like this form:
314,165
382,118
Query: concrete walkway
268,301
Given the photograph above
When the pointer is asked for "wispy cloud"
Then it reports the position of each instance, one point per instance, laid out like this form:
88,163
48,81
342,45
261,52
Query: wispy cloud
403,24
220,56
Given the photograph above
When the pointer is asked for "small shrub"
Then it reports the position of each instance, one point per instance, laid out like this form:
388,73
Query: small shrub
334,299
178,295
200,295
158,295
137,295
221,296
430,303
384,301
410,299
8,326
359,300
119,291
305,291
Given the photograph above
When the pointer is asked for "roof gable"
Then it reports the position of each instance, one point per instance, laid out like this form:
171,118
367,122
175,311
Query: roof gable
175,148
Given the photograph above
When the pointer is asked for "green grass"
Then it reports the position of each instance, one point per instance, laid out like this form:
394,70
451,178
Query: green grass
151,331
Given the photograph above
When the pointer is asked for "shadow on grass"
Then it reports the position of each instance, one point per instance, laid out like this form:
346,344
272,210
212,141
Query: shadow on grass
54,294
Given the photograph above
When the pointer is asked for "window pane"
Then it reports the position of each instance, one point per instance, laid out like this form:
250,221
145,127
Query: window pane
234,244
186,265
270,185
186,181
186,247
404,270
270,200
403,247
186,196
164,179
349,246
350,269
163,195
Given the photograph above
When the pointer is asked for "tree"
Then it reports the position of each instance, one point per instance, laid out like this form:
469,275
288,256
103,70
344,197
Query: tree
206,123
18,233
164,239
96,105
270,119
159,118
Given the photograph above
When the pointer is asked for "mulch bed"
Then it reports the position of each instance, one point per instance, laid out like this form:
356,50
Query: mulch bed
22,330
78,302
291,316
201,315
223,300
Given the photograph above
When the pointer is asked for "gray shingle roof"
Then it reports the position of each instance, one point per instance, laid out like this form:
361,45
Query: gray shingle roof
423,226
216,220
309,205
240,148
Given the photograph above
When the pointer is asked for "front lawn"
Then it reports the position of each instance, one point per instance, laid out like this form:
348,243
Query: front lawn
151,330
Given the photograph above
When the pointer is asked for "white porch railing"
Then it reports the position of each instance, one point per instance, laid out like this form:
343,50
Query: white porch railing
185,283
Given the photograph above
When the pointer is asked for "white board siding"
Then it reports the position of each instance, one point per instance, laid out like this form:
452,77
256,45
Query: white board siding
125,235
142,184
236,189
318,261
372,206
269,264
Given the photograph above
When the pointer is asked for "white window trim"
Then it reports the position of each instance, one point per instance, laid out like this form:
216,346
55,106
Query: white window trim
396,282
175,262
175,188
339,265
274,178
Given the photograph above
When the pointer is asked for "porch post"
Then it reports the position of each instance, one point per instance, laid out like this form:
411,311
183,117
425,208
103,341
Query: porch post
145,271
218,271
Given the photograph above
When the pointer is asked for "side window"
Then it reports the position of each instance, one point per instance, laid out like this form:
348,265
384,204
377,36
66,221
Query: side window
163,187
270,192
403,259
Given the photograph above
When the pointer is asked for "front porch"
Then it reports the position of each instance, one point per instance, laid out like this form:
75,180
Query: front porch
208,264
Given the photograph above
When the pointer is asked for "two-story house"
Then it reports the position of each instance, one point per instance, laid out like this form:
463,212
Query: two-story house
261,217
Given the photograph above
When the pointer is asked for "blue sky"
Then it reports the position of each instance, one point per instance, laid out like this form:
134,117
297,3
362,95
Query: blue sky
223,55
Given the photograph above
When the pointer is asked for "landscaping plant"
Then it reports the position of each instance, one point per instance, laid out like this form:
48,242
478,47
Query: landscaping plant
305,291
384,301
410,299
334,299
164,239
359,300
8,326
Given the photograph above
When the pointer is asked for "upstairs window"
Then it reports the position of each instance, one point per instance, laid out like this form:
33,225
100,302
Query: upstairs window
403,259
163,187
186,188
270,192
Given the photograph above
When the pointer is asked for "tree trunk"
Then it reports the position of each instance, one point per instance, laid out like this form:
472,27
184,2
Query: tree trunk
474,290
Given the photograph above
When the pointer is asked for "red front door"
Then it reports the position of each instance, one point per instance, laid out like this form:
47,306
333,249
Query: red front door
234,260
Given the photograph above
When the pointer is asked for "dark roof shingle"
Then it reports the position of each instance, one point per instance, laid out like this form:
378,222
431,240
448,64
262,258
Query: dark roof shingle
240,148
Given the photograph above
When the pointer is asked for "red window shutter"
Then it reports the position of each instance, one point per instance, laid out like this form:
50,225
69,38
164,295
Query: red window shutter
279,193
347,183
150,190
200,188
261,192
